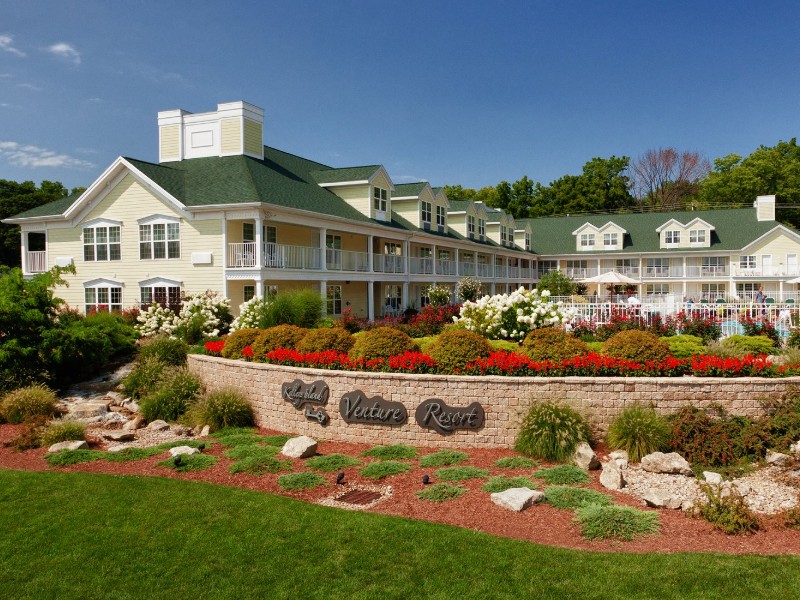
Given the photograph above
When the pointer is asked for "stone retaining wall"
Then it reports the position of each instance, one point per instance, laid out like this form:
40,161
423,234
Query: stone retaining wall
504,399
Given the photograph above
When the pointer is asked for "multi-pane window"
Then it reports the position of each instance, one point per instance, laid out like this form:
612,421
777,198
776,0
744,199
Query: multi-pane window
101,243
527,241
470,226
168,296
160,240
610,240
249,292
503,235
426,213
587,240
713,291
546,266
334,300
747,261
697,236
103,299
657,289
248,232
394,297
672,237
440,217
658,267
482,228
713,265
510,236
380,198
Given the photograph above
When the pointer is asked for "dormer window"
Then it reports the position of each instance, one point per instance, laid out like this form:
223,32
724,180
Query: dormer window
470,226
481,228
672,237
527,241
503,235
697,236
510,237
426,214
380,199
610,240
440,218
587,240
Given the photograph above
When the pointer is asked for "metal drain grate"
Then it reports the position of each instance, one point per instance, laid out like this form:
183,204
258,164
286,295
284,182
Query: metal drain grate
359,497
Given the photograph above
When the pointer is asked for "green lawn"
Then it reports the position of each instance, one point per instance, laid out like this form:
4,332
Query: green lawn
77,535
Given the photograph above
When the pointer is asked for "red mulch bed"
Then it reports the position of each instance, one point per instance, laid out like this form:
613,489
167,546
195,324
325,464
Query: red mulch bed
541,523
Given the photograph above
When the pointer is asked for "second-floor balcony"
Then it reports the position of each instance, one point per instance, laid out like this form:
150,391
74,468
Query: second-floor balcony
36,261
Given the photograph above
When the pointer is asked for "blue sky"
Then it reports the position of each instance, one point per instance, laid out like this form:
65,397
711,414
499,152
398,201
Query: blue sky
449,92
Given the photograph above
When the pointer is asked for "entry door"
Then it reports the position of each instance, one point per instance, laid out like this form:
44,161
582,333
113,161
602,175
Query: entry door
766,264
791,264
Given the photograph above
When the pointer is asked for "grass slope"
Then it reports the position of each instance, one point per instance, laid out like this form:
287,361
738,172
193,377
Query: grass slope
80,535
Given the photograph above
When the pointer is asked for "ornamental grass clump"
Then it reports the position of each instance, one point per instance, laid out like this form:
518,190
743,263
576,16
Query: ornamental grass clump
62,431
27,403
743,345
176,393
454,349
512,316
324,339
551,431
570,498
382,342
602,522
550,343
638,430
168,350
638,346
222,408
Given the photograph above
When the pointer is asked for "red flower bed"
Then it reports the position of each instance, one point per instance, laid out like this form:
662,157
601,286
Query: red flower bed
215,348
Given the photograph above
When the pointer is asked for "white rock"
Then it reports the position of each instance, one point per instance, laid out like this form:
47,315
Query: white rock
114,417
183,450
662,499
69,445
712,477
117,448
119,435
517,499
134,424
116,398
585,458
158,425
611,477
299,447
658,462
620,456
205,431
88,410
777,458
795,448
132,406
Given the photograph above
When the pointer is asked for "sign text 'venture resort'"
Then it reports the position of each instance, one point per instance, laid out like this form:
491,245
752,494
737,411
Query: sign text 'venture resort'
355,407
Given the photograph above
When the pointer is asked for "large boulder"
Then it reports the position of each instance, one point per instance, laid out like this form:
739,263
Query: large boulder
134,424
299,447
777,458
158,425
119,435
662,499
177,450
672,463
611,476
585,458
517,499
69,445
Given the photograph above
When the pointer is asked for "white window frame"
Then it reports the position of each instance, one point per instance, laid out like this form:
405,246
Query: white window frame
610,239
380,199
248,291
171,295
171,228
441,217
102,293
657,289
510,236
503,235
748,261
426,210
394,296
111,249
333,299
470,226
527,241
697,236
587,240
672,237
481,228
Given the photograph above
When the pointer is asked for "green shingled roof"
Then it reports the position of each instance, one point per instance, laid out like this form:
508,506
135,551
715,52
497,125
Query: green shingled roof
459,205
733,229
54,208
408,189
329,175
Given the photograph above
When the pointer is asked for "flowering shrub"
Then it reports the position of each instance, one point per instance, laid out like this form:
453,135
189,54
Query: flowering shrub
430,320
622,319
762,326
156,319
412,362
247,352
202,316
700,324
215,348
512,316
251,314
438,295
469,288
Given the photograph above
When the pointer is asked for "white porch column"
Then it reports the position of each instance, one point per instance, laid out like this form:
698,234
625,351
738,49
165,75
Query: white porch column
407,256
259,288
433,258
24,249
780,290
598,266
224,254
323,244
371,298
259,242
458,251
323,291
492,291
369,257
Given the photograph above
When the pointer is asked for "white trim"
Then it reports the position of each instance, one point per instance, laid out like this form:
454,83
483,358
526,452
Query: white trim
157,218
160,282
778,228
103,282
101,222
600,229
344,183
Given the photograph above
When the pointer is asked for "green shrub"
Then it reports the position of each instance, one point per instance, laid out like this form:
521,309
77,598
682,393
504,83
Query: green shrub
715,348
685,346
300,481
238,341
331,462
570,498
600,522
260,463
382,342
384,468
321,340
170,351
62,431
441,492
175,394
280,336
222,408
705,440
550,343
563,475
749,344
639,346
395,452
638,430
190,462
295,307
777,430
551,431
514,462
455,348
501,483
146,375
66,458
460,473
728,513
26,403
30,436
443,458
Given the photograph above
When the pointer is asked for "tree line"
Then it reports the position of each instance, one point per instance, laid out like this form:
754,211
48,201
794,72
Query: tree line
663,179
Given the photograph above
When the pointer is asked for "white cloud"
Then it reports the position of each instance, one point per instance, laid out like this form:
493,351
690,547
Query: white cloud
29,86
66,52
26,155
407,178
6,43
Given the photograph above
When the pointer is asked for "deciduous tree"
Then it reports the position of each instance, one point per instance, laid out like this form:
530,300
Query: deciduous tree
665,179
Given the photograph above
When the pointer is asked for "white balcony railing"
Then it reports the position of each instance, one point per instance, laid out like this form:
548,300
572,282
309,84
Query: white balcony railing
467,269
445,267
421,265
388,263
36,262
346,260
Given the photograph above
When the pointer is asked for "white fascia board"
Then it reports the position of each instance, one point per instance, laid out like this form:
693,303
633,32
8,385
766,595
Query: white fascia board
404,198
669,223
160,282
584,227
222,207
611,224
381,169
779,228
699,221
344,183
101,281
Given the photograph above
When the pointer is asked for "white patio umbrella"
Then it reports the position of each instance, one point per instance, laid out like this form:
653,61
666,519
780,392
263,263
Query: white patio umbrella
795,280
609,277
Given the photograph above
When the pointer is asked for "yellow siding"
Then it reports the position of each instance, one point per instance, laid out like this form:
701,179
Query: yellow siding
356,196
778,245
297,235
127,202
170,142
253,137
231,136
410,210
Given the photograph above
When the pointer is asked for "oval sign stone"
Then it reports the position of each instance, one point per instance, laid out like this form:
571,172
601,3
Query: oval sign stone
435,414
355,407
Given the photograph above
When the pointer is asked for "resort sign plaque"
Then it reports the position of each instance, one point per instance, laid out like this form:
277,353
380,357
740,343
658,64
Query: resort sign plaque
435,414
355,407
311,395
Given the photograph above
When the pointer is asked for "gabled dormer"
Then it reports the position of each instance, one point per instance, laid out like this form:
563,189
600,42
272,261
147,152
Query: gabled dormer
500,227
591,238
523,238
368,189
441,207
468,218
416,203
694,234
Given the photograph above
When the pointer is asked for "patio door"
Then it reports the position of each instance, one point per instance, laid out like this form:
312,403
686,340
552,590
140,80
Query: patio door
766,265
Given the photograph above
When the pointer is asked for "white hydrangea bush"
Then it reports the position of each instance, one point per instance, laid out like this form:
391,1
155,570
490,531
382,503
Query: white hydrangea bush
512,316
469,288
250,313
202,316
156,319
